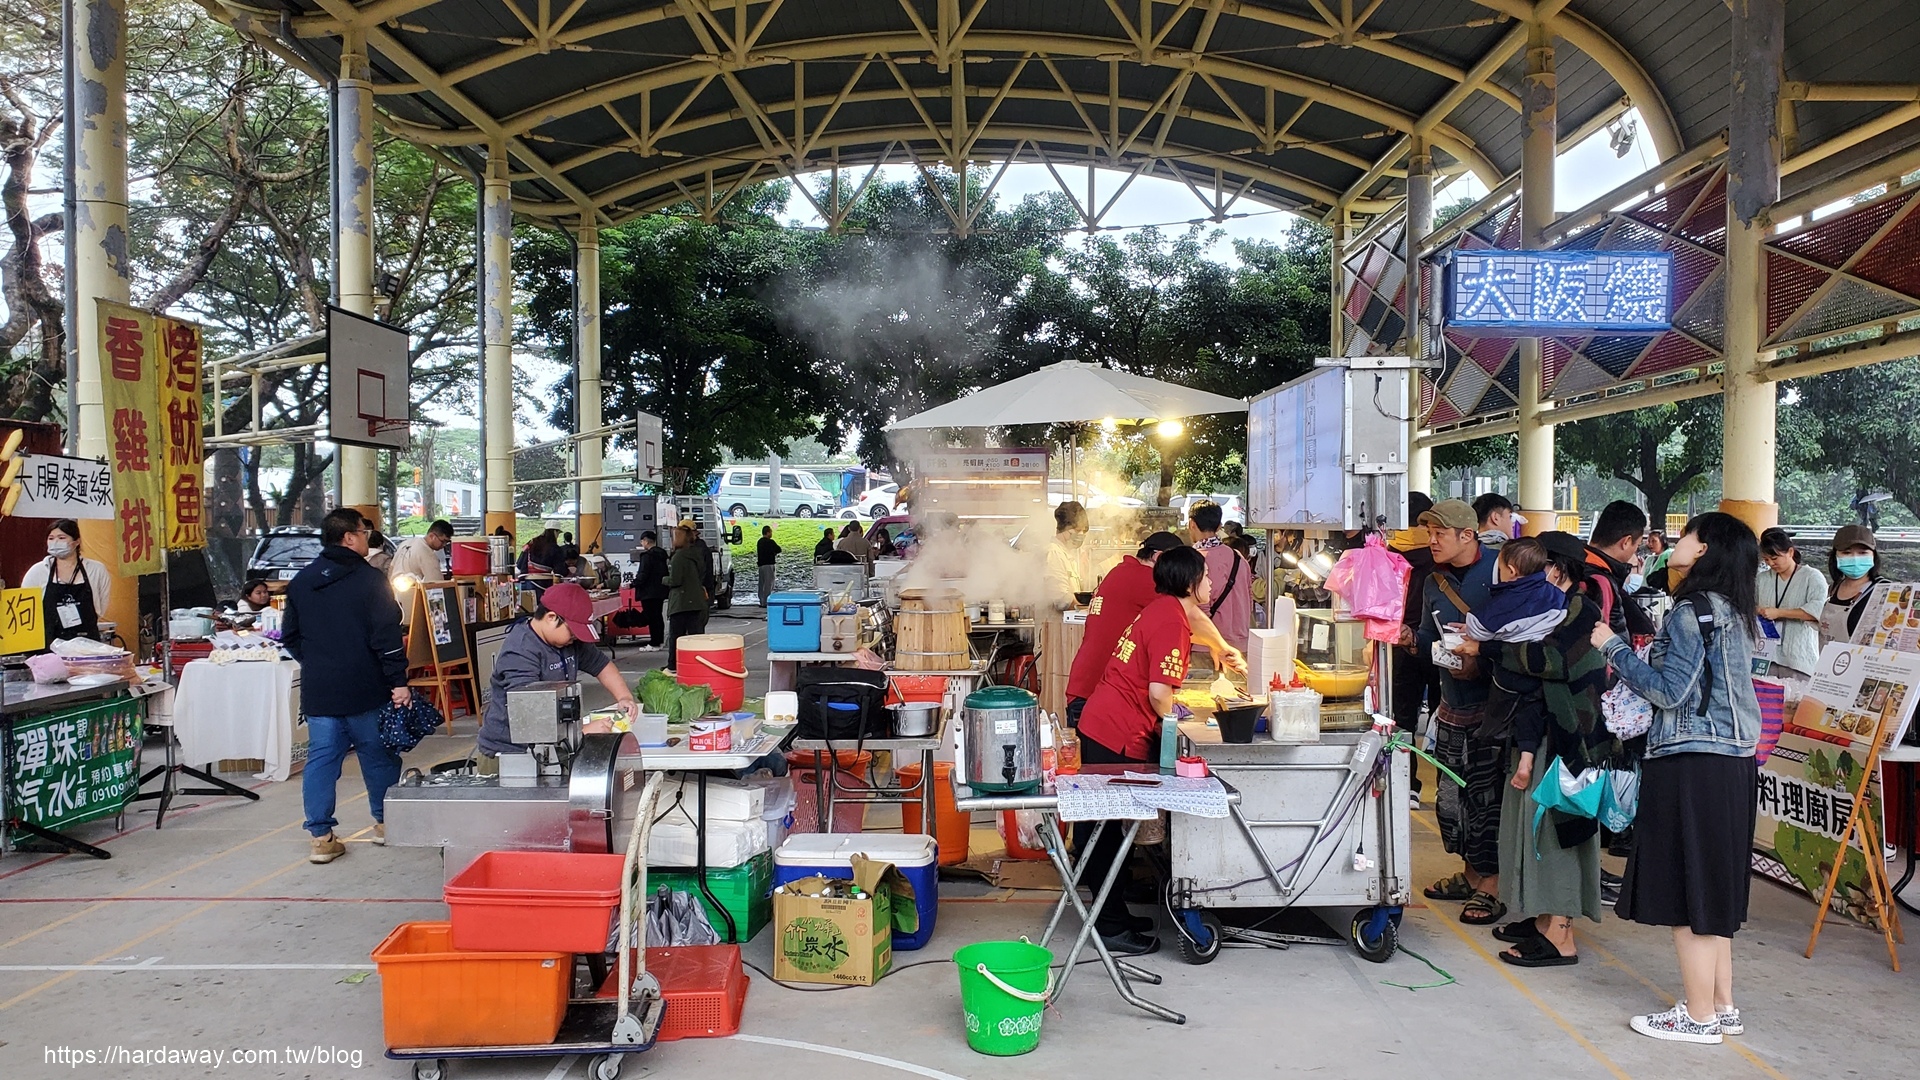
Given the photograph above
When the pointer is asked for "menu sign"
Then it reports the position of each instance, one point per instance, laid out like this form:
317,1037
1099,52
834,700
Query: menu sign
1854,690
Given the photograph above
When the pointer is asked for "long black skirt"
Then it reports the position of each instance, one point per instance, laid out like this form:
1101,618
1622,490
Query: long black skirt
1691,838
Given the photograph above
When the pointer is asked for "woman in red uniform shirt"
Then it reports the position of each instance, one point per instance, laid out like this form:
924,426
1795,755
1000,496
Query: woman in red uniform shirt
1121,721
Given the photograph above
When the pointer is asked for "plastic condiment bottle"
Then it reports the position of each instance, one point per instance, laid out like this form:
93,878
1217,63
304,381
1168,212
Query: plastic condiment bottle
1169,743
1069,751
1049,758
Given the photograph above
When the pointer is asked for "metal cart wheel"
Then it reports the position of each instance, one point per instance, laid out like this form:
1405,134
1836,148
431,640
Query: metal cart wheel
1376,934
605,1067
430,1070
1198,934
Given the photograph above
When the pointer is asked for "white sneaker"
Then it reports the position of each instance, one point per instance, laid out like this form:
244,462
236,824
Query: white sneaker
1676,1025
1730,1022
1413,801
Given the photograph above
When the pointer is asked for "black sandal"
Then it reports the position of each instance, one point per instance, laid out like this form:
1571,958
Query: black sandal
1453,888
1483,909
1537,952
1518,931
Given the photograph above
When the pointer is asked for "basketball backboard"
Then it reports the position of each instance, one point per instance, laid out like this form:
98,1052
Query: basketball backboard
367,393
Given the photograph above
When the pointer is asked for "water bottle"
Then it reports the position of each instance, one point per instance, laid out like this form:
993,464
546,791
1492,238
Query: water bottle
1169,743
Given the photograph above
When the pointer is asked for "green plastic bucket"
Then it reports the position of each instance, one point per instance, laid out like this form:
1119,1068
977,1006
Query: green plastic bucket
1004,987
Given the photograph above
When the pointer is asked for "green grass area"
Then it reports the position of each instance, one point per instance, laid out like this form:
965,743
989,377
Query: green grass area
796,537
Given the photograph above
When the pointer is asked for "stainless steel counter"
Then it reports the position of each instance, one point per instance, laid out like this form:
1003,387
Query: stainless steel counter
20,698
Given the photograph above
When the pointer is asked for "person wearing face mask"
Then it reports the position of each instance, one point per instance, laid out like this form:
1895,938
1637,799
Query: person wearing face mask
1855,562
1069,570
1613,553
76,589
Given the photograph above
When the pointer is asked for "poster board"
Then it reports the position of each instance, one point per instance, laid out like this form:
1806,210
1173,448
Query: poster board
1296,435
1851,689
56,486
23,624
437,634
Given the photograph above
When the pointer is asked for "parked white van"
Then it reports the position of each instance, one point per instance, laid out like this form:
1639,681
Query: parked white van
742,490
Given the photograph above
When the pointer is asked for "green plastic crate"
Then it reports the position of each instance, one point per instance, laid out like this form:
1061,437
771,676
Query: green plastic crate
746,891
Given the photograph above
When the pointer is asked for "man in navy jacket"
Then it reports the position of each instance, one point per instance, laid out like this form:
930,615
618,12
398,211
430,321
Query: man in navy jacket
343,626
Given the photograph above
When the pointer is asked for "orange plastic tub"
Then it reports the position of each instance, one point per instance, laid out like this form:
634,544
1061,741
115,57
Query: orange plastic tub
952,829
434,995
558,901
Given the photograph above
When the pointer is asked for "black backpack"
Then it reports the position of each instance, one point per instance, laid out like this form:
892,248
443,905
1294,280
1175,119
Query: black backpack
842,704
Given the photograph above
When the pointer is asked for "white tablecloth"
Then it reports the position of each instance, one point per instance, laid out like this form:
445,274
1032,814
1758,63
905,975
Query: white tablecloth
242,710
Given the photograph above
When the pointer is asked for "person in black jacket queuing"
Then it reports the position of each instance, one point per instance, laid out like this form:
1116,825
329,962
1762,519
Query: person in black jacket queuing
343,626
650,587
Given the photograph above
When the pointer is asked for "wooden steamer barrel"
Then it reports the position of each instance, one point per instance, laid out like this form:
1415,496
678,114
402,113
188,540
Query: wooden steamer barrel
930,631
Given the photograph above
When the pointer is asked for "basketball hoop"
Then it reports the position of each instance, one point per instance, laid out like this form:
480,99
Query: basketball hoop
376,426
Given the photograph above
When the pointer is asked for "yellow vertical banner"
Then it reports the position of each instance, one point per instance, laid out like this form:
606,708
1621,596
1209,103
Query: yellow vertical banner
179,346
130,391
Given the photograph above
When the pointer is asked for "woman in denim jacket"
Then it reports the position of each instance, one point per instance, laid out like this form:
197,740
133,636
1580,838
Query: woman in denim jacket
1697,784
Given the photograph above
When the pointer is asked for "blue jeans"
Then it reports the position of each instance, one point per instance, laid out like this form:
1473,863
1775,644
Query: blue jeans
328,740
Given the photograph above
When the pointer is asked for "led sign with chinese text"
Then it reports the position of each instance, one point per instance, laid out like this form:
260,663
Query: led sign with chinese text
1579,291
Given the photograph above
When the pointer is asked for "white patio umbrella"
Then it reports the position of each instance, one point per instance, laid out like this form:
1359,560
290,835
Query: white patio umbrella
1072,392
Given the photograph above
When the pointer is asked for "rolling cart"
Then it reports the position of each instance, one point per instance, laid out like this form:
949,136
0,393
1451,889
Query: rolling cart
605,1030
1322,826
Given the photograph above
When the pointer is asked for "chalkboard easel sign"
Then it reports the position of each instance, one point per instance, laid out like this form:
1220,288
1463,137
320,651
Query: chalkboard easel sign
437,635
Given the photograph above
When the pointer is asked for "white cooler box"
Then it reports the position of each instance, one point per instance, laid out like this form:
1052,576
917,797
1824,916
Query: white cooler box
916,857
674,843
727,800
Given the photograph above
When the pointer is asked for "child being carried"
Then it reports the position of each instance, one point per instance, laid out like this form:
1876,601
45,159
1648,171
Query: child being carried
1524,607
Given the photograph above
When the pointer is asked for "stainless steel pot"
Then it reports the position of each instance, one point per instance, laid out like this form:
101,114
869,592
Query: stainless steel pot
1000,736
915,719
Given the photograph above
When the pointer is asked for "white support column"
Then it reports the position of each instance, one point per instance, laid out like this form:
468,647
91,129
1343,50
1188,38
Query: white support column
497,333
1753,184
586,338
1538,112
100,270
1419,224
352,154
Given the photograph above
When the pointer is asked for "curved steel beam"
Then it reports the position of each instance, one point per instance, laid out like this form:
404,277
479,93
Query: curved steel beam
917,136
1616,61
986,93
853,49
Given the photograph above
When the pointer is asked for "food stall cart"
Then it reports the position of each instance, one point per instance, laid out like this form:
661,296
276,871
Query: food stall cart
71,755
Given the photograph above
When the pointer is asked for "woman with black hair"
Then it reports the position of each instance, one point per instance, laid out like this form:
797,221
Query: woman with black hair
1791,598
76,589
1855,563
1689,867
1121,720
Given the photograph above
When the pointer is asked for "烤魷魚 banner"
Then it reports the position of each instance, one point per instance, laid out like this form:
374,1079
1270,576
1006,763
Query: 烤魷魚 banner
177,344
136,434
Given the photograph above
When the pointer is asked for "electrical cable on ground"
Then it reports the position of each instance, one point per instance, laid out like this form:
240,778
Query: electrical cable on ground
1446,976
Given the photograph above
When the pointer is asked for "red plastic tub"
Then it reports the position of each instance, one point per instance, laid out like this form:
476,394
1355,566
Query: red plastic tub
704,987
535,901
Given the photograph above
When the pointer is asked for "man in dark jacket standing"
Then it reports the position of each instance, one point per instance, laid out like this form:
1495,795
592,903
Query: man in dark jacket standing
343,626
650,586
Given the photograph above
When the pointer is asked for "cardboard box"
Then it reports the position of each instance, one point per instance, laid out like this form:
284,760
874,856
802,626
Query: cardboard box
839,941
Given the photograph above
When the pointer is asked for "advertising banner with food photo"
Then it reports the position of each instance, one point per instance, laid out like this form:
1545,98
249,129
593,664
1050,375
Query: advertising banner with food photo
1853,689
1806,792
1892,619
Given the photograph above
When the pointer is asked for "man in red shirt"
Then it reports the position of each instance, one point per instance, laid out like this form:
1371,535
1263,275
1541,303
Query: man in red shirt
1121,722
1123,594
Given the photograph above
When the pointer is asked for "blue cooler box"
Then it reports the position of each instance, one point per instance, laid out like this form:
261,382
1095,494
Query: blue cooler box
917,858
793,621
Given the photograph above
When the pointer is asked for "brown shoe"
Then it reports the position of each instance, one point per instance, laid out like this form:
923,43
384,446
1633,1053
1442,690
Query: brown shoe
379,833
326,849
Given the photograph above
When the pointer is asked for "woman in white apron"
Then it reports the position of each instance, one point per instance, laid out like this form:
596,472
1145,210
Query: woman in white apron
76,589
1855,561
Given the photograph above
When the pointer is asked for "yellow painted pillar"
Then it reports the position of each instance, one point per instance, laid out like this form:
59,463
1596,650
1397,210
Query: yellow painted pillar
99,259
497,335
587,356
1753,184
352,153
1538,111
1419,224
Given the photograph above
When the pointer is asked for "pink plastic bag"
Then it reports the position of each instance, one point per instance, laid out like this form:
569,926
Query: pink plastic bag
1373,581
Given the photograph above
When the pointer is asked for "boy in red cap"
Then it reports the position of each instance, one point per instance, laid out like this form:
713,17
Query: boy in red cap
554,644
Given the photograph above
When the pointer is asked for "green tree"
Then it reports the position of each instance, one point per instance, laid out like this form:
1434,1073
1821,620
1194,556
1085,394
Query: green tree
1664,451
688,333
1860,421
